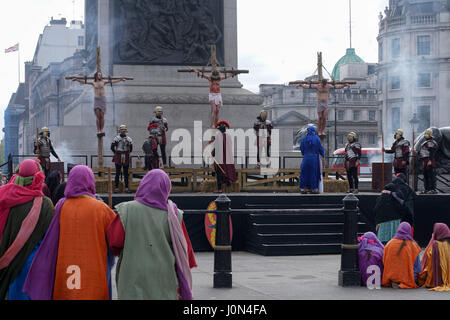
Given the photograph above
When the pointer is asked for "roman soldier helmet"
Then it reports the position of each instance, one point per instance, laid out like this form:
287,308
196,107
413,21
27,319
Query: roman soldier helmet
123,127
158,108
398,132
429,133
353,134
44,129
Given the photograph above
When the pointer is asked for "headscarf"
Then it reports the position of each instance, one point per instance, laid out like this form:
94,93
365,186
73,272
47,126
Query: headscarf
80,182
154,190
27,182
400,186
404,232
23,187
369,241
311,136
440,231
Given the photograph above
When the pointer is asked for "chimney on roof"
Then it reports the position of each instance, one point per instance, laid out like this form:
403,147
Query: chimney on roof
61,21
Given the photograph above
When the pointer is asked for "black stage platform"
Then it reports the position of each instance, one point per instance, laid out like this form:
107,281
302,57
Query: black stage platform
290,224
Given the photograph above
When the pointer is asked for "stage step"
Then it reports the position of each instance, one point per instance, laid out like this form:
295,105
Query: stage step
283,228
300,238
296,249
298,217
299,231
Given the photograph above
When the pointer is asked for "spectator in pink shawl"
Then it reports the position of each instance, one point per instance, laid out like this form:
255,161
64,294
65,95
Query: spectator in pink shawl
25,215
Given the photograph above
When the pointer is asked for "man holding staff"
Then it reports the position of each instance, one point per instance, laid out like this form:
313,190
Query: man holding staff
401,150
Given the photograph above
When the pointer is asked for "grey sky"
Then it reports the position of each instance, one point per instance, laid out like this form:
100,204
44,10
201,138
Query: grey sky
277,40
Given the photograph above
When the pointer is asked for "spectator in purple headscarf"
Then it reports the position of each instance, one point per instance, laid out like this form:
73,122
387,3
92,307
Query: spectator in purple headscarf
370,253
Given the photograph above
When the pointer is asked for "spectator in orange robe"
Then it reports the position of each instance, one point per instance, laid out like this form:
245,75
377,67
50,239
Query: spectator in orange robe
401,260
73,261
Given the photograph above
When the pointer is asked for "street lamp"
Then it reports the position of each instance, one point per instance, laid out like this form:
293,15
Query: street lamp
335,119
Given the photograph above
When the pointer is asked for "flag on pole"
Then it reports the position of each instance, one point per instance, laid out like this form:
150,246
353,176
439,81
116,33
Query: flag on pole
13,48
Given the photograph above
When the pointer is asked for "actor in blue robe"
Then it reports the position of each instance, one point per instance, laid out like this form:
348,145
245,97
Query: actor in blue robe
310,170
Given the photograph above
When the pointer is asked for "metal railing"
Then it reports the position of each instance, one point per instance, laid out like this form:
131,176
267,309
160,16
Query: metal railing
242,161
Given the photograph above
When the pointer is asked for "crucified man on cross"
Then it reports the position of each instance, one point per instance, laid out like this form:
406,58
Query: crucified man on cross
215,97
323,89
99,97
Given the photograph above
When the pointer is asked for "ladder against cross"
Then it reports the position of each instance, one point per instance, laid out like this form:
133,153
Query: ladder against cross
85,78
214,65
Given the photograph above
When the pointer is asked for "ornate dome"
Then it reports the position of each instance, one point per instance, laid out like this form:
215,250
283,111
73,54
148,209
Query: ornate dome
350,57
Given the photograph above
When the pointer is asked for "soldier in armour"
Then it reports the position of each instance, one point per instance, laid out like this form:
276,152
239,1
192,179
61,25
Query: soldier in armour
351,161
150,148
148,153
122,146
45,149
401,150
427,155
162,128
263,130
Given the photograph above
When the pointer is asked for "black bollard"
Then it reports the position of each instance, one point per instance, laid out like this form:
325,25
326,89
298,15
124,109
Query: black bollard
222,248
349,274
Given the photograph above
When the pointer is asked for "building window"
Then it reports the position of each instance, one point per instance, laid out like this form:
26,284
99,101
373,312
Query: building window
395,82
340,139
395,48
340,115
424,80
356,115
423,45
395,118
80,41
372,115
423,114
380,51
372,138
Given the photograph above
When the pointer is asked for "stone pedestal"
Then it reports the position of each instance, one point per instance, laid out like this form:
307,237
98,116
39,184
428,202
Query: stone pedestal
183,96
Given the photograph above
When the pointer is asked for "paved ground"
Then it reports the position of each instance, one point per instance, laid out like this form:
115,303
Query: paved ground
256,277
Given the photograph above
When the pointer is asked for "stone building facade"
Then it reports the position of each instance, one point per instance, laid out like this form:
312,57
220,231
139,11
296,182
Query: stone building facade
414,64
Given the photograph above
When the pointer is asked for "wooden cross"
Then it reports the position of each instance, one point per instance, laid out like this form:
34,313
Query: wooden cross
215,66
85,78
99,69
320,75
320,68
